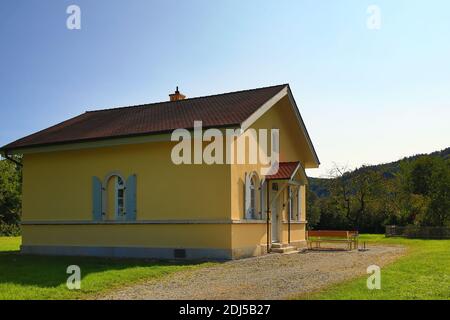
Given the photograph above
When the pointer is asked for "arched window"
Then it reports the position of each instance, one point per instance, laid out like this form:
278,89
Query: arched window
114,198
251,194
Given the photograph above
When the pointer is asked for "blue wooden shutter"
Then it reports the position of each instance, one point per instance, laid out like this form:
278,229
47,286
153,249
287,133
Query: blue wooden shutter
130,198
96,199
247,200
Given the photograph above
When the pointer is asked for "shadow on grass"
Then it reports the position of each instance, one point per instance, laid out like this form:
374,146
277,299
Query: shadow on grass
50,271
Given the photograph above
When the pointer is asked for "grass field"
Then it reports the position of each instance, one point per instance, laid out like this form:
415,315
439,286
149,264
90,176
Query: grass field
34,277
424,273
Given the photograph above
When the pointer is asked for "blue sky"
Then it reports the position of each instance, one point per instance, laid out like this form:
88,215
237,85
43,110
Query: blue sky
367,96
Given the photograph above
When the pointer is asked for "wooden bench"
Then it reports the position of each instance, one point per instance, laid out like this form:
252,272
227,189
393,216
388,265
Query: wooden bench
316,237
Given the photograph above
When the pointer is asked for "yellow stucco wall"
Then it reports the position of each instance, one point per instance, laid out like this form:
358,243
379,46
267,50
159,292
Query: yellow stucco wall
293,145
297,232
248,239
134,235
57,185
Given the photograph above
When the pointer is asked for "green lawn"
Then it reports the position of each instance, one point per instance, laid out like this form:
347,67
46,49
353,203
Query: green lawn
424,273
39,277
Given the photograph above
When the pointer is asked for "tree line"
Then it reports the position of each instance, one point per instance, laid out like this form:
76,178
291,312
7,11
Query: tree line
413,191
10,197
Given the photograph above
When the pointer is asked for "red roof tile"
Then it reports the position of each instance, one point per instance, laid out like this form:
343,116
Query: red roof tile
223,110
285,171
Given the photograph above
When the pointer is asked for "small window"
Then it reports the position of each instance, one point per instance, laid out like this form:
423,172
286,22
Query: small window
290,204
252,198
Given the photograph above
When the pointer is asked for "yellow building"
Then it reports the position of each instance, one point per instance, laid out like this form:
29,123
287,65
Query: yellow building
106,183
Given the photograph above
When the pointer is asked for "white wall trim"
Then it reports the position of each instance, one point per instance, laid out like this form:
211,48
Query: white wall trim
302,173
294,222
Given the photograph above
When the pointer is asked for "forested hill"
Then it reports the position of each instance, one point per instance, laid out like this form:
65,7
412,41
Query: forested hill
320,186
411,191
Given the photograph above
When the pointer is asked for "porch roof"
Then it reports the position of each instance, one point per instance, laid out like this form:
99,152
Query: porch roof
286,171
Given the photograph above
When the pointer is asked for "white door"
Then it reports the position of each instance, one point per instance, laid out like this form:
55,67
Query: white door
274,218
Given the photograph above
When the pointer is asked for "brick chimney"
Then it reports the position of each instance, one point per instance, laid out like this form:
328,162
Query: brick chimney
176,96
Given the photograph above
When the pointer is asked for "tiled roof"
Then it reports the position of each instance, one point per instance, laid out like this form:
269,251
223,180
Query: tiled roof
285,171
222,110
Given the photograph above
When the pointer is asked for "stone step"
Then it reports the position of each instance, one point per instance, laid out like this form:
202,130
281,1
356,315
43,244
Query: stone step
287,249
279,245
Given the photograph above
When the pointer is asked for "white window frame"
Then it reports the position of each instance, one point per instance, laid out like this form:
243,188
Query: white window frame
299,203
111,175
119,214
290,204
252,197
251,211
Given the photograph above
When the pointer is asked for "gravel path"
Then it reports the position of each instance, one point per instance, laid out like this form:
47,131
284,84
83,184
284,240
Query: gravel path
273,276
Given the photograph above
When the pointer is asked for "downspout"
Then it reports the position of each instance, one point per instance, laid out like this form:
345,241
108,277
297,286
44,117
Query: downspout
7,157
267,215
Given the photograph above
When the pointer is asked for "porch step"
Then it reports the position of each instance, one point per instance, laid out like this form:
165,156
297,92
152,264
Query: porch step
283,249
279,245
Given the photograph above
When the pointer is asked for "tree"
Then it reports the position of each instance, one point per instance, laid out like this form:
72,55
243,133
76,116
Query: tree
340,188
438,213
10,192
312,208
426,180
367,190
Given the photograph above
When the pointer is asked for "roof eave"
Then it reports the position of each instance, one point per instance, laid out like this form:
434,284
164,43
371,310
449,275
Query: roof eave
41,147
